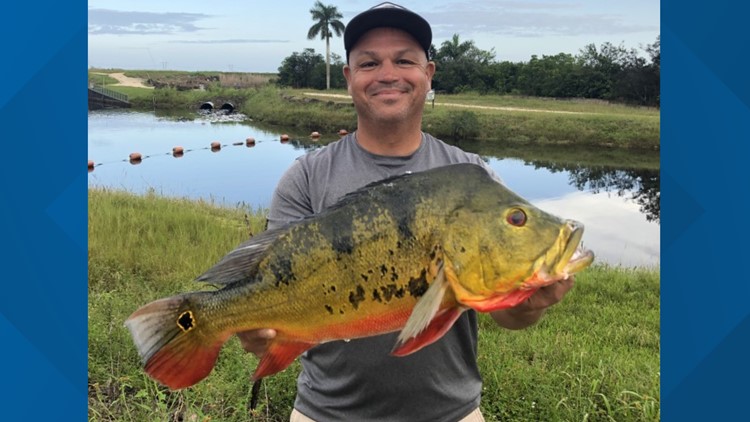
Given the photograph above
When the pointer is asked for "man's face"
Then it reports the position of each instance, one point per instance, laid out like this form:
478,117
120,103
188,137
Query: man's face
388,76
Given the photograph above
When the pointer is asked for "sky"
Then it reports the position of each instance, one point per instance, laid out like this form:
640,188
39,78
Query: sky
256,36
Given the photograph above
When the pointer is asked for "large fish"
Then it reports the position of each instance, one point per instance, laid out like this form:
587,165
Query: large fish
408,253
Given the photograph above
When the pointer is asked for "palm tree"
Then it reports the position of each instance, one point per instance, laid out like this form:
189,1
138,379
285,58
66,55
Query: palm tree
326,23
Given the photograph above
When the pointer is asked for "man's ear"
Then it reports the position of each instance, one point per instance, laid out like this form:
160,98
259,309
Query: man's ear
347,74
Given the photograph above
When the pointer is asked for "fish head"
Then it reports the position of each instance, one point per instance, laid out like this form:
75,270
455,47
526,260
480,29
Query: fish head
499,244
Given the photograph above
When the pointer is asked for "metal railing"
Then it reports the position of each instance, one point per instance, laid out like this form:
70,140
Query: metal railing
109,93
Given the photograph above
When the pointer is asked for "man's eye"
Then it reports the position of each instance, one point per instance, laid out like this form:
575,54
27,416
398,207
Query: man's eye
367,64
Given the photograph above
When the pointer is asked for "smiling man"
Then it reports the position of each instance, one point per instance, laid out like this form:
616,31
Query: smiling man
388,73
388,76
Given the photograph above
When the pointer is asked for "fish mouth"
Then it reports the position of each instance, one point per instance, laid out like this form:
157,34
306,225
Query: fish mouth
574,257
556,265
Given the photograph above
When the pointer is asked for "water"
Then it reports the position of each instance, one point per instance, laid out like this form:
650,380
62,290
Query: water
619,207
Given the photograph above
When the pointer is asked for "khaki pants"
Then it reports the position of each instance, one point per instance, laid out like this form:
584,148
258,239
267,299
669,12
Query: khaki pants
475,416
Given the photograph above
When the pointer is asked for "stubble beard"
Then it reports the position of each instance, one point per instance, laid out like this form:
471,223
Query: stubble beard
383,114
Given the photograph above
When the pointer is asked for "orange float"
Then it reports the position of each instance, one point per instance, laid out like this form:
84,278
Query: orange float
215,146
250,141
178,152
135,158
285,138
315,135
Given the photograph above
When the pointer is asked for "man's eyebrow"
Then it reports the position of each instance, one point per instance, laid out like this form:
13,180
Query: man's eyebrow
373,53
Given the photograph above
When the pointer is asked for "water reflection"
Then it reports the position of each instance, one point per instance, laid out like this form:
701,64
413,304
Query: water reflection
632,175
614,193
640,185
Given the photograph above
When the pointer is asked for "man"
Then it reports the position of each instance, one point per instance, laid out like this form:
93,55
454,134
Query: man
388,75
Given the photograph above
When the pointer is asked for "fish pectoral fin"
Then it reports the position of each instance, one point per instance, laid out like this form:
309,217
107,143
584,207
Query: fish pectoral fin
279,355
427,322
439,325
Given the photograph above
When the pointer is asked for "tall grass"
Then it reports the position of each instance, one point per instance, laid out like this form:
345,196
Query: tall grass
594,357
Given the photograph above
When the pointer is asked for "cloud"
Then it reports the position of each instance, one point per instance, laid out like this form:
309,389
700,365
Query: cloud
526,19
107,21
230,41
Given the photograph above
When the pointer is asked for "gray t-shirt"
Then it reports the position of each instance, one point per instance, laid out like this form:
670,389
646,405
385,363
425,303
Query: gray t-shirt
359,380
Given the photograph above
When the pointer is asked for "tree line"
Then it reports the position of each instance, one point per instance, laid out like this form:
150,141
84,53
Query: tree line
608,72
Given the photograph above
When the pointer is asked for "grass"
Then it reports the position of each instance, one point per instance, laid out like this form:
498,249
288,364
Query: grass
594,357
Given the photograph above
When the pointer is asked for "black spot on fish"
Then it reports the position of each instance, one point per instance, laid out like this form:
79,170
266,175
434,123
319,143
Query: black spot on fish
355,298
343,244
186,322
400,292
281,268
463,250
383,270
376,296
418,286
338,231
404,226
390,252
333,289
388,291
364,277
394,274
329,309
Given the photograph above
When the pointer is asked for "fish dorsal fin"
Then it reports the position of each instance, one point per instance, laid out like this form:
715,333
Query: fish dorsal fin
241,264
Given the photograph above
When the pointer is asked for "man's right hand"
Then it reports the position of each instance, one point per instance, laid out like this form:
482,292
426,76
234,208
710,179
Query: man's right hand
256,341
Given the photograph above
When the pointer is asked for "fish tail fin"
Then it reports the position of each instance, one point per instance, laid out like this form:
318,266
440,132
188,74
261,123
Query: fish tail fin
174,346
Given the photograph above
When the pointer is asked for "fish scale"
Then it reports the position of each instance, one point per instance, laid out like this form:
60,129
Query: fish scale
409,253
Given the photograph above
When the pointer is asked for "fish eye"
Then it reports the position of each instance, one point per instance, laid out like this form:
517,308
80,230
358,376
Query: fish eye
516,217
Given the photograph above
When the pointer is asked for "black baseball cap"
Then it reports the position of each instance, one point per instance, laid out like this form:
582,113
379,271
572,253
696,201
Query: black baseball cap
388,15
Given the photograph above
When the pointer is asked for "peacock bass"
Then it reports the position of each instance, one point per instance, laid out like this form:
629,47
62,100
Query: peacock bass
408,253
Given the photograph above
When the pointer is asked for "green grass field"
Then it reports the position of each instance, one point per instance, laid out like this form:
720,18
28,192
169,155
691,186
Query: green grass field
594,357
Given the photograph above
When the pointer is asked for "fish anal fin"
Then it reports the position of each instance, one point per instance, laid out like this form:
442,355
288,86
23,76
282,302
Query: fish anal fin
279,355
505,301
438,326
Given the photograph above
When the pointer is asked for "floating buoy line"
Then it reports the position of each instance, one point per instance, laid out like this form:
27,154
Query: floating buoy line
215,146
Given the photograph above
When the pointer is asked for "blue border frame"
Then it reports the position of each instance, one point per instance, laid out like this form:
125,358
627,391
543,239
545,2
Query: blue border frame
43,304
705,142
705,137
